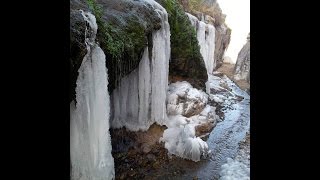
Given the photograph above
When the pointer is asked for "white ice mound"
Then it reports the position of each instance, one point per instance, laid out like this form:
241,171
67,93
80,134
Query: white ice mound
182,142
234,170
183,99
187,108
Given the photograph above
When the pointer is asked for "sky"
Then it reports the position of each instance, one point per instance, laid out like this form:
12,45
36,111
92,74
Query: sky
238,19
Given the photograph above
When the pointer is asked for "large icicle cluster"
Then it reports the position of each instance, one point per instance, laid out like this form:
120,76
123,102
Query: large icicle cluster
139,101
206,38
187,108
90,145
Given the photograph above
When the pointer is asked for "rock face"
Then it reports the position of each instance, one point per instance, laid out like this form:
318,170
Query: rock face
185,4
223,34
210,12
242,67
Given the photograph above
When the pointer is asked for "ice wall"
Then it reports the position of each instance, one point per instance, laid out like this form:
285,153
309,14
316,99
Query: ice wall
206,39
139,101
90,145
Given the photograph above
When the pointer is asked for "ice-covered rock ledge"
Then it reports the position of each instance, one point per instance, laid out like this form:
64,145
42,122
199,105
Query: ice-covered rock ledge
189,119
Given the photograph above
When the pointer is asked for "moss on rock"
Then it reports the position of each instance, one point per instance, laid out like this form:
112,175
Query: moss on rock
124,29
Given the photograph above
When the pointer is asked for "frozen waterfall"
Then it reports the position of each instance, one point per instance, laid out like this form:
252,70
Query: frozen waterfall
90,145
139,100
206,38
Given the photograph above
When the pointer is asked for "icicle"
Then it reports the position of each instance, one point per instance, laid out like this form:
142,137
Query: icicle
139,101
90,143
206,39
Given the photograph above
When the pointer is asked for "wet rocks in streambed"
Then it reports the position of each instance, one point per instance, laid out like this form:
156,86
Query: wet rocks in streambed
203,130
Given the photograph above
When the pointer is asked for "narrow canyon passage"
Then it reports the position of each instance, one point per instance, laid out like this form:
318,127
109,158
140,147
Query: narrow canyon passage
150,97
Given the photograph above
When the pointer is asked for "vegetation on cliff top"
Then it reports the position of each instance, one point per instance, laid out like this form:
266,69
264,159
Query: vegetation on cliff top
113,37
207,7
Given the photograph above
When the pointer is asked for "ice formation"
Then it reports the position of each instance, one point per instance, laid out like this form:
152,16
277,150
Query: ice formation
206,38
187,108
234,170
184,99
182,142
139,101
90,145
